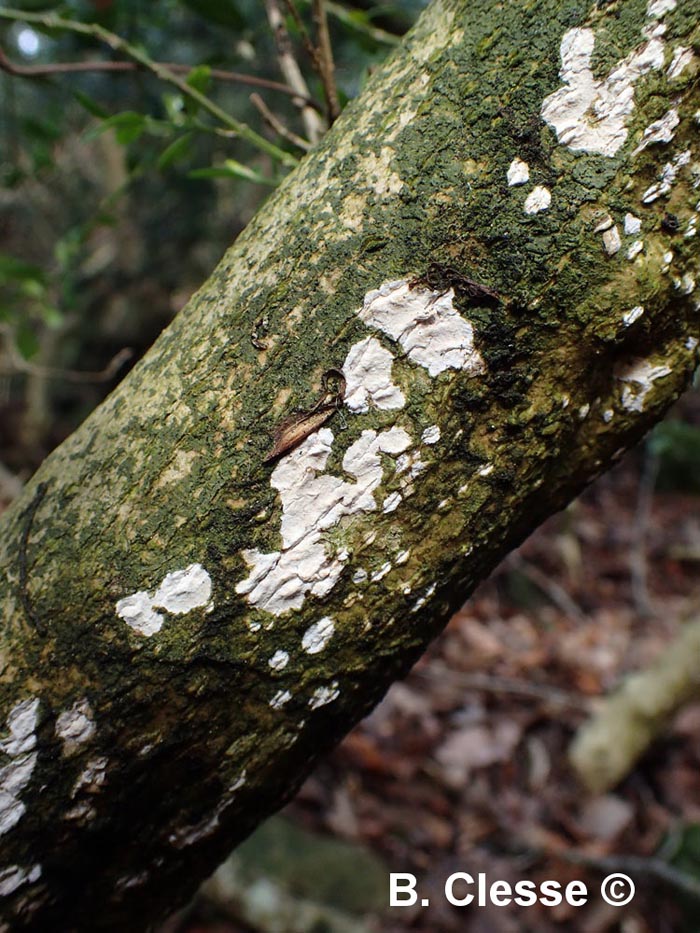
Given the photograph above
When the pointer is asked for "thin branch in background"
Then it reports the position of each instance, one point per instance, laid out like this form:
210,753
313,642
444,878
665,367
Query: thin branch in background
276,124
20,365
652,867
492,683
314,126
309,47
638,550
325,60
163,73
363,26
553,590
58,68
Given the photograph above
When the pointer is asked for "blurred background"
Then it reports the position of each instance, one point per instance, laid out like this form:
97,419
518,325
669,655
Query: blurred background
553,730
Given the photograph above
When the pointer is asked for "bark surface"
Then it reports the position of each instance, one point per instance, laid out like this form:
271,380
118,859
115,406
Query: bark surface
187,626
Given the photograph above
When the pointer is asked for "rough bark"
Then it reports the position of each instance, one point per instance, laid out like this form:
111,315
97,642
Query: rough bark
158,702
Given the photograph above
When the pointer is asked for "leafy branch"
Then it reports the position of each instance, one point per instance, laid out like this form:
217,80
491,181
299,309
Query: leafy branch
164,73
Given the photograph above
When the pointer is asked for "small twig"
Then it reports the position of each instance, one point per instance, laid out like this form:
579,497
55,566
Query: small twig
343,15
276,124
494,684
325,59
553,590
58,68
309,47
637,865
68,375
313,124
638,557
163,73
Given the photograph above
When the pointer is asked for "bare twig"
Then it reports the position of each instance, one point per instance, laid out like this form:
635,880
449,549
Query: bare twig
344,16
325,60
19,364
58,68
309,47
652,867
162,72
608,746
313,124
491,683
553,590
276,124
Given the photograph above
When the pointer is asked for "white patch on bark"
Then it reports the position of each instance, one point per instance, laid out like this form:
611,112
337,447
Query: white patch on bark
313,502
660,131
431,435
367,370
518,173
669,173
91,778
21,724
638,377
635,248
426,324
14,877
537,200
682,57
590,115
632,224
14,777
612,241
422,600
658,8
381,573
75,727
392,502
279,660
402,557
186,835
316,637
324,695
281,698
181,591
629,317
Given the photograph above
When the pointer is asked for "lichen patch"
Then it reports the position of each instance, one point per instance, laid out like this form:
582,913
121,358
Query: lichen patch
591,115
180,592
638,377
313,502
317,636
21,724
367,370
75,726
426,324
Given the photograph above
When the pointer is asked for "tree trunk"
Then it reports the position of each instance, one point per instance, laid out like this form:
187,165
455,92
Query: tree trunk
190,622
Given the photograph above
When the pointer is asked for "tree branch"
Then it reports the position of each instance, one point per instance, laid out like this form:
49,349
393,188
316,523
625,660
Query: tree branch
58,68
161,71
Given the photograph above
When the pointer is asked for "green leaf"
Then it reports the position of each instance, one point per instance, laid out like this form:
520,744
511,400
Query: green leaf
233,169
26,340
92,107
51,315
200,78
222,12
32,288
17,270
175,151
127,127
